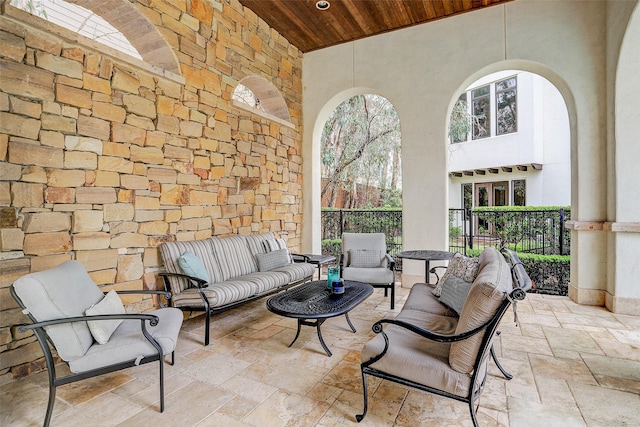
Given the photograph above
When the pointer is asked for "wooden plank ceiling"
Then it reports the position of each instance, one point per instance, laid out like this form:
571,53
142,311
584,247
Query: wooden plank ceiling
308,28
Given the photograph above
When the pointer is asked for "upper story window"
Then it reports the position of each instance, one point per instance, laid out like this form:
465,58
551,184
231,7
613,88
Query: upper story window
506,112
485,111
481,112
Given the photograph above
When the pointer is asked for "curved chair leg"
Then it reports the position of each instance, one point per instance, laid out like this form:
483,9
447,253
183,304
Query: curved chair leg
473,414
52,400
360,417
506,374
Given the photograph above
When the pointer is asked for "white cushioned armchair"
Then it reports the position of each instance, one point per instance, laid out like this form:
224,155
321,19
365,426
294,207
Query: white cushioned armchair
365,259
90,331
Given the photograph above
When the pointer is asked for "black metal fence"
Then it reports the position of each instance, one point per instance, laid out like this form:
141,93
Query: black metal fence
336,222
539,232
533,232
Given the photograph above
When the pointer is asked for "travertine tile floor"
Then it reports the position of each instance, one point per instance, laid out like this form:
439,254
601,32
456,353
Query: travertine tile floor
573,365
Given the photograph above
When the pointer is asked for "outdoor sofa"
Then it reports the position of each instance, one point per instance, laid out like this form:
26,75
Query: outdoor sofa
219,273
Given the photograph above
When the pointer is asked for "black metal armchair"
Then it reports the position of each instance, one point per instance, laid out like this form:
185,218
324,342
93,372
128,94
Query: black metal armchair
56,301
440,354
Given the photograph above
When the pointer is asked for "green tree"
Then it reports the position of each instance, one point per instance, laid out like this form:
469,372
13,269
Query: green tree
460,121
361,151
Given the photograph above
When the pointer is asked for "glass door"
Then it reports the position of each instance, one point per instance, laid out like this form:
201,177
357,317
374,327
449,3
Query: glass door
489,194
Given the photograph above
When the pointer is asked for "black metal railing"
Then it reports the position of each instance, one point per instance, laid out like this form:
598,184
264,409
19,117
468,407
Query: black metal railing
539,232
338,221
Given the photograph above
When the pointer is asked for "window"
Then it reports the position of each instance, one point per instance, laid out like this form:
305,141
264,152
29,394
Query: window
506,113
459,124
519,190
246,96
80,20
473,111
481,112
467,198
259,96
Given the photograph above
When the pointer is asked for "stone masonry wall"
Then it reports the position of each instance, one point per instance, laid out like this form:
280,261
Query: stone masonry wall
102,157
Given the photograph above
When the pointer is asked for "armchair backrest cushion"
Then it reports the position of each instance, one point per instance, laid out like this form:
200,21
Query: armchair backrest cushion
363,241
61,292
489,290
203,249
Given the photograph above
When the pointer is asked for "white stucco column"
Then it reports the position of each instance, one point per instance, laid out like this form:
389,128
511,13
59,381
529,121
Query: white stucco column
623,291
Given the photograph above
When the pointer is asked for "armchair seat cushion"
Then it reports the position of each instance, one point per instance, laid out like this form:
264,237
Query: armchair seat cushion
379,275
417,359
421,299
128,343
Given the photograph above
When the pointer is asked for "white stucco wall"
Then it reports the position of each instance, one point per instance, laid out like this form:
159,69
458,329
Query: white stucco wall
422,69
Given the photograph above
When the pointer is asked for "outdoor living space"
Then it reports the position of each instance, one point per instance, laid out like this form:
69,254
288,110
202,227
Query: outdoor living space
567,360
212,128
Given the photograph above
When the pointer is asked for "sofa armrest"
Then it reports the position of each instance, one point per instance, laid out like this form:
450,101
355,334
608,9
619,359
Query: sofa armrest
200,283
300,257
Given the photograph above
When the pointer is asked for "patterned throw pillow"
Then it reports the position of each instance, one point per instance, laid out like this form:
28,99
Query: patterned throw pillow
272,260
365,258
466,268
454,293
103,329
275,244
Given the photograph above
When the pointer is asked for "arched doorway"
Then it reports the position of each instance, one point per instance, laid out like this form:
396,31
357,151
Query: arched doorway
509,166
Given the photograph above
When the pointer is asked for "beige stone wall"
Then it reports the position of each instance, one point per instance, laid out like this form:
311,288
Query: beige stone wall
104,157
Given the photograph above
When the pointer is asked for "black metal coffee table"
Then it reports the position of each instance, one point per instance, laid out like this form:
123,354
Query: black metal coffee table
312,303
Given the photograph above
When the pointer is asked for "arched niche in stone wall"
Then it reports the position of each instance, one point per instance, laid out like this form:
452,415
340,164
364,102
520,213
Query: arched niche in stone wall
137,28
268,100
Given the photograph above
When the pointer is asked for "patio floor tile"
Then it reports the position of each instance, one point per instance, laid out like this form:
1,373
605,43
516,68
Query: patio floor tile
566,361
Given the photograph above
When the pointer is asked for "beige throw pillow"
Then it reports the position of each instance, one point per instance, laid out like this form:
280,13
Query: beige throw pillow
103,329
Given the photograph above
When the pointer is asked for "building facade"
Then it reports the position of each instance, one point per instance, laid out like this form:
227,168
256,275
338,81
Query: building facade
517,148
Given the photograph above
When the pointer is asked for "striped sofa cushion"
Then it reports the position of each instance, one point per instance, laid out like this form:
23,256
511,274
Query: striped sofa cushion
297,271
267,280
234,256
218,294
203,249
256,242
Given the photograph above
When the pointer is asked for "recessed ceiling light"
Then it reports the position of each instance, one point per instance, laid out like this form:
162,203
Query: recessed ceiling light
323,4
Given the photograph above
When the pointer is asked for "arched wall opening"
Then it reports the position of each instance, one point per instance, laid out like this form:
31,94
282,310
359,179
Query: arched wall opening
508,145
312,202
137,28
266,99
